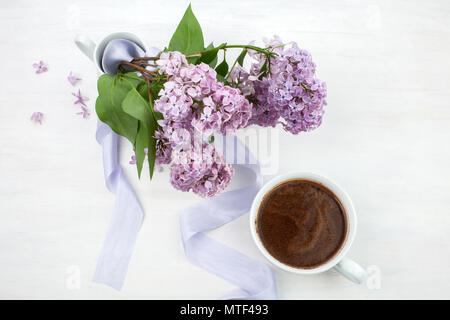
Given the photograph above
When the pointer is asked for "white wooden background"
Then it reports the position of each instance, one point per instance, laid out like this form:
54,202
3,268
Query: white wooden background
385,139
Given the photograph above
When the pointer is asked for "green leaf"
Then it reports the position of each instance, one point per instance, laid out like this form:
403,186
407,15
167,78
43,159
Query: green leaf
152,150
188,37
111,92
136,106
263,70
212,63
222,69
210,55
241,57
141,143
145,139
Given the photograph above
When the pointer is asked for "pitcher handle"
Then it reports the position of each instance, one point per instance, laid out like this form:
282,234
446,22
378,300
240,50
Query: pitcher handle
86,45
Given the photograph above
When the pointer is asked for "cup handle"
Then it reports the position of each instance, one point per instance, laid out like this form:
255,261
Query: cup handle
86,45
351,270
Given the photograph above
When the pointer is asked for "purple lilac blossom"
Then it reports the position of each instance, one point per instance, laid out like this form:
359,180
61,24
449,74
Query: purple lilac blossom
163,149
72,79
289,93
193,94
80,99
193,103
37,117
201,170
40,67
84,112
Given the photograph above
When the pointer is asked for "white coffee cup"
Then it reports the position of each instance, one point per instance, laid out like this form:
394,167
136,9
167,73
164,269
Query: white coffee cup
95,52
345,266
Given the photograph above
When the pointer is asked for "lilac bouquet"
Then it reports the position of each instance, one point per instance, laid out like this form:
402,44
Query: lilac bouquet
171,106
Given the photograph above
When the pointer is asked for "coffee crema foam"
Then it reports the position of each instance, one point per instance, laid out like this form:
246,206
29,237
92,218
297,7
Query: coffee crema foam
302,223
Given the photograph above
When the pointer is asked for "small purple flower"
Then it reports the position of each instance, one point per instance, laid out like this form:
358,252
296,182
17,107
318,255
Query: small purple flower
163,148
133,159
80,99
84,112
37,117
170,62
40,67
73,79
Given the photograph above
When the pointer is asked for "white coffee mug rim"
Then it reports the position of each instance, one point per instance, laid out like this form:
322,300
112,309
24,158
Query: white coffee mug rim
328,183
100,47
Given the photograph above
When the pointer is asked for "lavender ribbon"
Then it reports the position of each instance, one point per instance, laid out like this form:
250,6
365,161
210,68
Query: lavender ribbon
254,279
126,218
127,214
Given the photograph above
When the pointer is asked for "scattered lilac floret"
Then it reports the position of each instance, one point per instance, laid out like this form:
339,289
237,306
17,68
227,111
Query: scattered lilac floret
80,99
40,67
73,79
84,112
37,117
133,157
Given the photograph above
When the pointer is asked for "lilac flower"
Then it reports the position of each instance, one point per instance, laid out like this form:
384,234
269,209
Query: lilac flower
133,157
256,91
37,117
201,170
194,95
235,110
295,91
40,67
163,149
170,62
289,93
195,105
73,79
174,102
84,112
80,99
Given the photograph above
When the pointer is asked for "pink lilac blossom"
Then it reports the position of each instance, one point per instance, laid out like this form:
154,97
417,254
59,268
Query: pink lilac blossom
37,117
163,149
289,93
192,102
73,79
193,94
40,67
255,90
80,99
133,157
201,170
170,62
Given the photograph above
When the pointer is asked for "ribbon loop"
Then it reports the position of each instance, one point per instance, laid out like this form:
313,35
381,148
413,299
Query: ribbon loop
255,279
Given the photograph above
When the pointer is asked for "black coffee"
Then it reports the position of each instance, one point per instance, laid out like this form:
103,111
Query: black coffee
302,223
